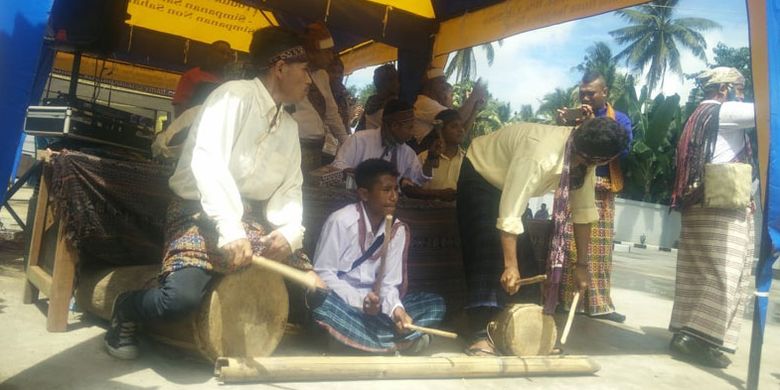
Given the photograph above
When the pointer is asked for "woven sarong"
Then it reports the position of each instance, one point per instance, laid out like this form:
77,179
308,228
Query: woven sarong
353,328
597,299
713,275
191,239
112,205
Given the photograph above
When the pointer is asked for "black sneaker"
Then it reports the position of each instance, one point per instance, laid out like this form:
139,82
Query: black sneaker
120,340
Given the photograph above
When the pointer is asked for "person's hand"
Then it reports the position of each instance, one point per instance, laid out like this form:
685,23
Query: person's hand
560,118
317,280
434,151
371,304
405,182
238,253
401,319
581,277
510,280
276,246
587,113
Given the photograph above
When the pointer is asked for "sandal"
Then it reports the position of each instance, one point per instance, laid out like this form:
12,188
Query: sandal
480,351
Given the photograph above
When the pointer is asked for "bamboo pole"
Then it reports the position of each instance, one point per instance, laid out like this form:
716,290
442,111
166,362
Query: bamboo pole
333,368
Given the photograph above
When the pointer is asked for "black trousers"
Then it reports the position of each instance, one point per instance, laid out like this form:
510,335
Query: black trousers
180,293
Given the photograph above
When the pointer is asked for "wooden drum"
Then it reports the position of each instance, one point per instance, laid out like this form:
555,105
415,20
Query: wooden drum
243,314
523,330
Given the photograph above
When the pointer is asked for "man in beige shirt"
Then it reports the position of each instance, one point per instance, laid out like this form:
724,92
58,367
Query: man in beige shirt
502,170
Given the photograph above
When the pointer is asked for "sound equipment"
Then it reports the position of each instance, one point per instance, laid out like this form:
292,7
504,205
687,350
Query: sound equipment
81,120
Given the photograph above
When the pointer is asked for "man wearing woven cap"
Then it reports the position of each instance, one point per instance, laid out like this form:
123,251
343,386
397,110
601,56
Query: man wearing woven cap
320,126
715,256
435,97
237,189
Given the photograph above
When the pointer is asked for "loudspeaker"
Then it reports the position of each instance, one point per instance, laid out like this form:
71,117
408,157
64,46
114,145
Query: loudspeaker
92,26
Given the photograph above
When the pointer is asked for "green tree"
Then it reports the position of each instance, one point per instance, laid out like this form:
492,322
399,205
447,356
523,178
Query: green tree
551,102
599,57
653,38
464,63
525,114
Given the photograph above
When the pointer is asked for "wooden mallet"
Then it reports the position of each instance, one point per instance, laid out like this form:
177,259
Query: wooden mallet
570,319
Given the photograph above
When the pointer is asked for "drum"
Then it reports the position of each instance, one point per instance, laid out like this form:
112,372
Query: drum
243,314
523,330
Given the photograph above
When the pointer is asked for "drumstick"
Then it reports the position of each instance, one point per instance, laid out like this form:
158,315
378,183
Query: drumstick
533,280
431,331
305,279
380,273
572,310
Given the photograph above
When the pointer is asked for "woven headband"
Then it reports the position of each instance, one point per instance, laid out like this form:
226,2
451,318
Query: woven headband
295,53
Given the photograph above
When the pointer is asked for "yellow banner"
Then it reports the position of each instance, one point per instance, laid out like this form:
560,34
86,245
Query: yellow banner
513,17
201,20
367,54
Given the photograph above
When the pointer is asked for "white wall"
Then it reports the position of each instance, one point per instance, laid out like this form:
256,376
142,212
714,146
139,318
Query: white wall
633,218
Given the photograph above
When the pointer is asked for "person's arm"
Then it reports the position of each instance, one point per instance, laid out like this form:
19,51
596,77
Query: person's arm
219,194
736,116
625,122
326,262
522,179
469,110
347,155
388,293
284,209
333,120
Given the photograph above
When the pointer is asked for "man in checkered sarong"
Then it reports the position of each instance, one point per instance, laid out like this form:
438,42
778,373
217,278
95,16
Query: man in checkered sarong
368,308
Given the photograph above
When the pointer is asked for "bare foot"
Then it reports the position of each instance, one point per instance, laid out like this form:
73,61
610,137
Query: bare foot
482,347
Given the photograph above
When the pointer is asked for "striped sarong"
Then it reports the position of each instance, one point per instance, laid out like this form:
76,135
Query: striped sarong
714,264
597,299
355,329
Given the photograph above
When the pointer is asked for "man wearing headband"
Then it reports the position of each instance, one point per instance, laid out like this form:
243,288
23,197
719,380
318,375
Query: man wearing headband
320,126
436,96
502,170
715,255
237,190
388,143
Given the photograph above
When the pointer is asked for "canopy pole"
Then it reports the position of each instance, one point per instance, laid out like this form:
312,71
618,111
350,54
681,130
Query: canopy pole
74,74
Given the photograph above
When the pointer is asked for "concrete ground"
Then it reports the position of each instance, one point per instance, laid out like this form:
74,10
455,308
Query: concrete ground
632,355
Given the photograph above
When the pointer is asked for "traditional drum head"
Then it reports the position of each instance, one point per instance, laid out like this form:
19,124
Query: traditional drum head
523,330
244,315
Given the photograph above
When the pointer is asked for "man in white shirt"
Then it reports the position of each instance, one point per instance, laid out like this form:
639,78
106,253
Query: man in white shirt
368,309
237,187
388,143
320,126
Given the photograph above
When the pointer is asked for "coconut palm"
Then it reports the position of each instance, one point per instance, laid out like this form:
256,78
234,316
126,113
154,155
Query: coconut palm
653,38
551,102
599,58
464,64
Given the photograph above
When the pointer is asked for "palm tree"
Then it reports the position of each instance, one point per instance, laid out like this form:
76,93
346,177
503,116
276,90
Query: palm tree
599,58
464,64
653,37
552,101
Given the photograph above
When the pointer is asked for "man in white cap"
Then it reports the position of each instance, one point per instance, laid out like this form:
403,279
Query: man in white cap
715,257
435,97
320,126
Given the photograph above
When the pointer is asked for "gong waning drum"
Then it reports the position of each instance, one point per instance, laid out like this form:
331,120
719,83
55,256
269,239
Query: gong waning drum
242,314
523,330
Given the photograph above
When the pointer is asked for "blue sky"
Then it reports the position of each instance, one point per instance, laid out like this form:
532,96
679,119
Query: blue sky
531,64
